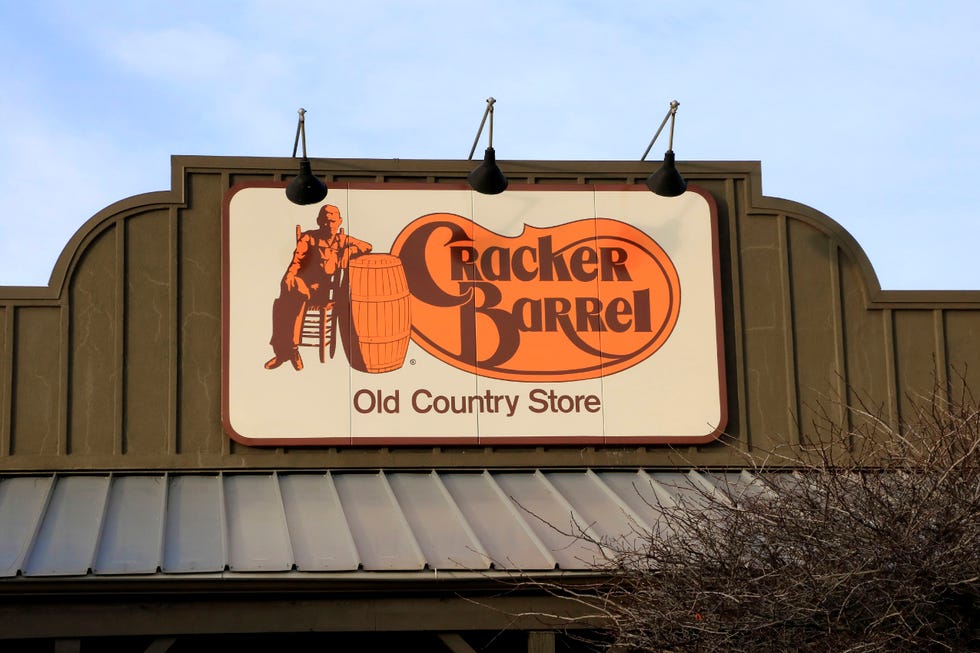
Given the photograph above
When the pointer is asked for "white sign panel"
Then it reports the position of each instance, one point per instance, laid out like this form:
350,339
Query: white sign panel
423,314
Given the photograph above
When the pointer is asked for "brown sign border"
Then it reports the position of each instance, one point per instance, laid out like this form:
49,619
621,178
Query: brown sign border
475,440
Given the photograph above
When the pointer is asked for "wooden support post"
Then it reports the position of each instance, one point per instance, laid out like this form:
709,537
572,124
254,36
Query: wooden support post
541,641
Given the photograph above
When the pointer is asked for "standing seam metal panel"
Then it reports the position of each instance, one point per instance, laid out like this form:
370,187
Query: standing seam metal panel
437,523
258,539
508,540
552,518
609,517
69,536
195,531
385,540
318,529
22,504
130,538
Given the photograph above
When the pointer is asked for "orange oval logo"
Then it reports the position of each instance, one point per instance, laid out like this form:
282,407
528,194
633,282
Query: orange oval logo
576,301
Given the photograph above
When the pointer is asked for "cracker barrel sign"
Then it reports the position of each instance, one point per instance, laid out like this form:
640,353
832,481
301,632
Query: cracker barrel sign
426,314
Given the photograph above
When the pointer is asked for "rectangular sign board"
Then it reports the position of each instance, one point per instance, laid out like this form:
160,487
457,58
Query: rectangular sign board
426,314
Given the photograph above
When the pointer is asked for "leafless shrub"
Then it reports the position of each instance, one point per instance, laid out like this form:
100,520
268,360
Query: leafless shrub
872,544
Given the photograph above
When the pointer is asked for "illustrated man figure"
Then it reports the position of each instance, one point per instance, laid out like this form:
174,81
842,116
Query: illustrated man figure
320,255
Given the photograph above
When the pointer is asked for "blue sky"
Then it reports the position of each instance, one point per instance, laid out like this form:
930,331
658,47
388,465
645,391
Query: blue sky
867,111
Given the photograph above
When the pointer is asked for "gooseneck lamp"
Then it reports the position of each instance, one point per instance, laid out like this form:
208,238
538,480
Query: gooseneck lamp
666,180
305,188
487,178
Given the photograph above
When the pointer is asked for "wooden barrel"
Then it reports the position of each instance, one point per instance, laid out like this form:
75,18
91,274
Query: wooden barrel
380,311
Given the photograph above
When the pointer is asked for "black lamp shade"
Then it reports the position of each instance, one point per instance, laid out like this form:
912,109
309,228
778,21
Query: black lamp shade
667,181
487,178
305,188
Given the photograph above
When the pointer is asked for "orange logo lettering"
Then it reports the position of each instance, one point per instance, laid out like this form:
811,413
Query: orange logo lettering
577,301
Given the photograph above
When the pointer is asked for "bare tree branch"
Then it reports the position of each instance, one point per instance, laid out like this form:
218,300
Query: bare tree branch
870,544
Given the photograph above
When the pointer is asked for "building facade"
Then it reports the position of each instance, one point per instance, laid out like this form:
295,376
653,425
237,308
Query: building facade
137,513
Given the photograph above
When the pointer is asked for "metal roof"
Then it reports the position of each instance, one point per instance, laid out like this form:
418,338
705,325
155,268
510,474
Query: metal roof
327,521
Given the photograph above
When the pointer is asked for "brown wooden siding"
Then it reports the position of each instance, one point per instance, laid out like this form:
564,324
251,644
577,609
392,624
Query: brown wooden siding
117,364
